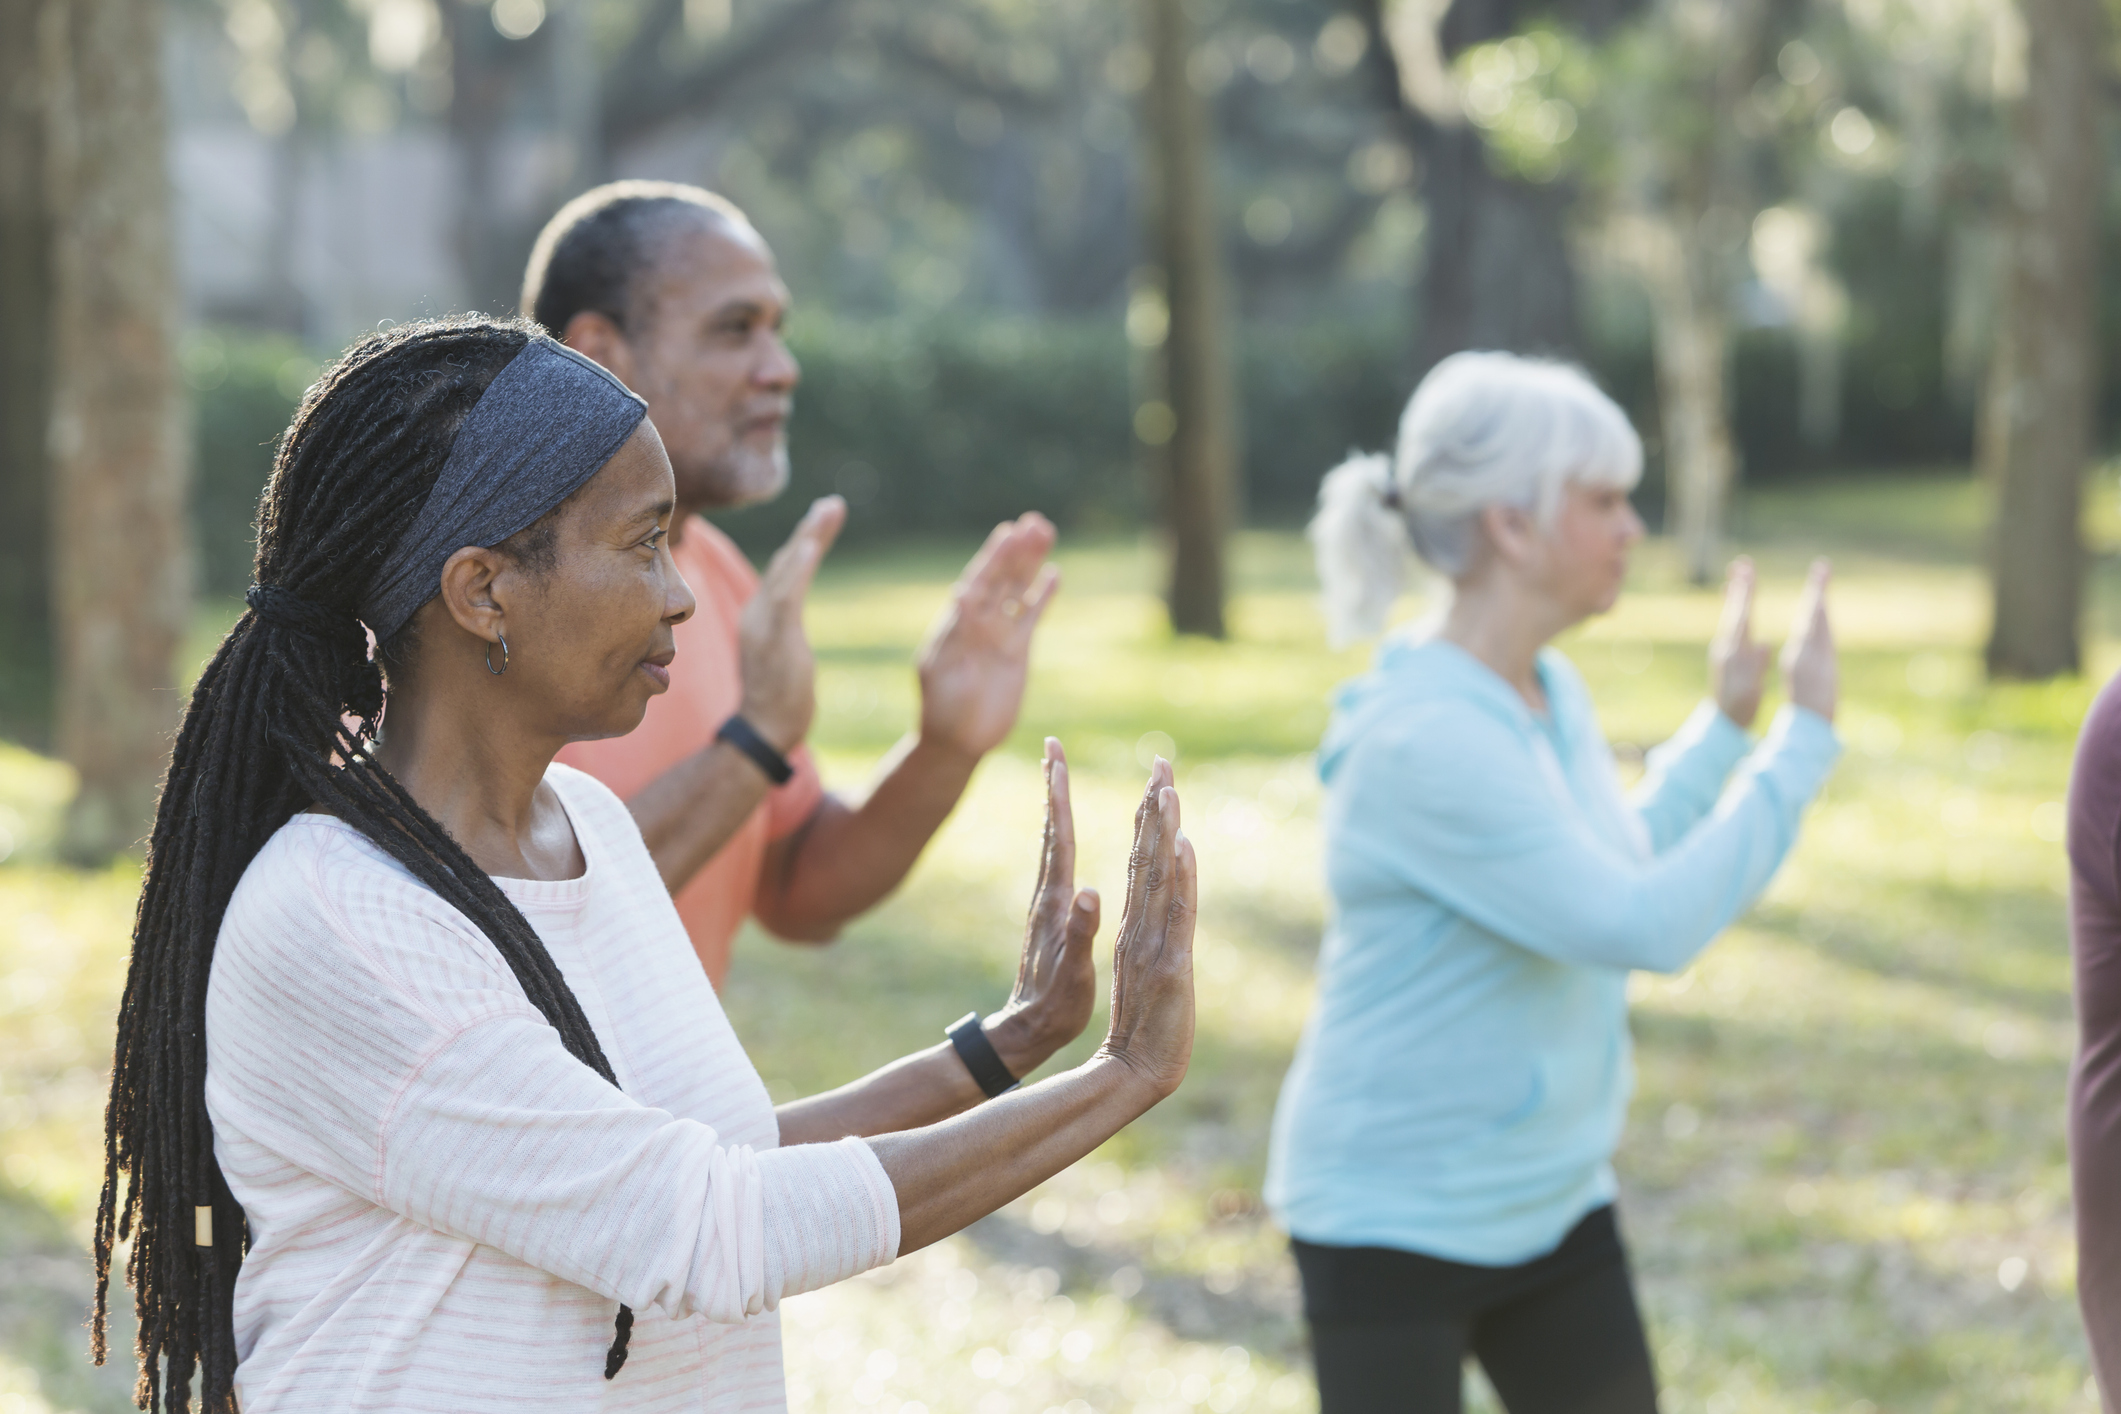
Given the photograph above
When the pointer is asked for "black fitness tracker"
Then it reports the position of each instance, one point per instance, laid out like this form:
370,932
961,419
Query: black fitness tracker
745,738
980,1057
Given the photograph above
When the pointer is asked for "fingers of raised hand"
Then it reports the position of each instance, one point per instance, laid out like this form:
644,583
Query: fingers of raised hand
1083,919
1060,808
999,602
1141,856
789,572
1811,625
1154,853
1007,566
1737,622
1022,547
825,519
1185,897
1815,587
1034,601
1147,815
980,571
1815,583
1057,854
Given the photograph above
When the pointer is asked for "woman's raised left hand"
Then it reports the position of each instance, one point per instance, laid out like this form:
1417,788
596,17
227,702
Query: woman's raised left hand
1056,977
1738,665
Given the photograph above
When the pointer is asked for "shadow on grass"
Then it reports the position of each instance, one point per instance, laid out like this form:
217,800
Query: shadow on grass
1973,934
1262,1316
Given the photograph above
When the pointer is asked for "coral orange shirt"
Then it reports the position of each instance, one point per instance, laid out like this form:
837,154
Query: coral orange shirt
705,687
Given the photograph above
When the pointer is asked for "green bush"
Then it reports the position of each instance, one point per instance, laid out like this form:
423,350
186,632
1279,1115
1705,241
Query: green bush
244,390
1310,395
928,429
944,427
951,426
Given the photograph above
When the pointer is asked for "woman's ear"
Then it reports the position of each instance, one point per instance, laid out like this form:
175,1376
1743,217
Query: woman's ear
1511,531
469,591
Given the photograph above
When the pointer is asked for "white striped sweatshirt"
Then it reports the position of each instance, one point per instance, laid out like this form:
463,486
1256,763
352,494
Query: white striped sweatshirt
445,1207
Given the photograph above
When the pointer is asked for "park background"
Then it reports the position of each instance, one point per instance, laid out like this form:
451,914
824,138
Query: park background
1150,267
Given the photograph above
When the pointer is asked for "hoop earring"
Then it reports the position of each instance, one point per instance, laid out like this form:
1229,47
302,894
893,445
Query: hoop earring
504,655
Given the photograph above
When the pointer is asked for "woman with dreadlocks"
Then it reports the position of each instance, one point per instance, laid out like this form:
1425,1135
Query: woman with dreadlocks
421,1101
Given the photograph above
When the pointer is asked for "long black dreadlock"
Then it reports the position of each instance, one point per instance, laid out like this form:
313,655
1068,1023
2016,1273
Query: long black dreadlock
284,717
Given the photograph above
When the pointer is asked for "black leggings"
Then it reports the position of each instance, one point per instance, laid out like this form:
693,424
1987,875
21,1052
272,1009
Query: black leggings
1390,1330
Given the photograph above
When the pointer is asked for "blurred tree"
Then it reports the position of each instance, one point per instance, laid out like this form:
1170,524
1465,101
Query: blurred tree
1496,273
1659,124
120,526
1198,444
25,385
284,306
2044,376
1682,220
680,61
972,152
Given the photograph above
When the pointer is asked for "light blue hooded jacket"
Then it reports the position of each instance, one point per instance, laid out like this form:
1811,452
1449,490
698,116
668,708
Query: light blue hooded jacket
1465,1073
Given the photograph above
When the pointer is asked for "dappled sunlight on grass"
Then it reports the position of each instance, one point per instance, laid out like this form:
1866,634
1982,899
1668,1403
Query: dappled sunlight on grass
1843,1179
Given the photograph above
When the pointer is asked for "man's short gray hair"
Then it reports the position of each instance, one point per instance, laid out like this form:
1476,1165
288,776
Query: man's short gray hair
594,251
1483,429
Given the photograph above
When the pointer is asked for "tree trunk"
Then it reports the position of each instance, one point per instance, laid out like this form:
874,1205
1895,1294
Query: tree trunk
483,70
490,75
1496,269
1201,454
1692,206
2043,406
1692,353
1496,273
285,306
121,562
577,105
25,387
1690,336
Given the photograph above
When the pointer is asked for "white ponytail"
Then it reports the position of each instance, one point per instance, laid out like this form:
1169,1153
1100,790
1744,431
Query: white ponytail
1483,429
1361,547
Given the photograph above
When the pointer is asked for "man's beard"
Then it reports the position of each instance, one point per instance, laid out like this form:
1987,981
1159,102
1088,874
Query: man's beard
744,477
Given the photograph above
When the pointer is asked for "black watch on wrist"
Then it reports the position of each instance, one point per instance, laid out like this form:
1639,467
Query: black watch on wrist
745,738
980,1057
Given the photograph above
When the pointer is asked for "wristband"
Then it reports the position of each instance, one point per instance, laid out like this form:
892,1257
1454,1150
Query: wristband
980,1057
745,738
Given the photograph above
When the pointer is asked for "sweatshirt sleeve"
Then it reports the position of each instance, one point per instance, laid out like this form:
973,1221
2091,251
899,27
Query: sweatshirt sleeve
503,1138
1685,775
366,1033
1459,809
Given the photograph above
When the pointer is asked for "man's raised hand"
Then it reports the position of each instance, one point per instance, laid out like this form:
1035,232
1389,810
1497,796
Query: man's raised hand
973,665
773,652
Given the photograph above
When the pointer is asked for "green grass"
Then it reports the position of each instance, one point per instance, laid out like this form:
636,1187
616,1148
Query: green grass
1844,1179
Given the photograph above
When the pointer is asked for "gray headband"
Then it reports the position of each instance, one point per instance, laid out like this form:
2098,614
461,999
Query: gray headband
544,426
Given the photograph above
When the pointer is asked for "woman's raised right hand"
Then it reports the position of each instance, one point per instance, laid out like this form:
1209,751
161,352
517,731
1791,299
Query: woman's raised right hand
1152,960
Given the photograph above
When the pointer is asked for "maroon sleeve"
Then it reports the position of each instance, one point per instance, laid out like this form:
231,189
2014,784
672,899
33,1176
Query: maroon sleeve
2095,1078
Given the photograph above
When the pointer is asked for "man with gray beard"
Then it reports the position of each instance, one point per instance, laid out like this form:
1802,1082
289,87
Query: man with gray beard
672,289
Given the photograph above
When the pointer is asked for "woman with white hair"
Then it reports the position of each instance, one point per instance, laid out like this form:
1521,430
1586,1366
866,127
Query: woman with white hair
1442,1152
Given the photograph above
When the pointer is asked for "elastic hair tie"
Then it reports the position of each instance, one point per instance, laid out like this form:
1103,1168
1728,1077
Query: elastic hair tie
280,608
